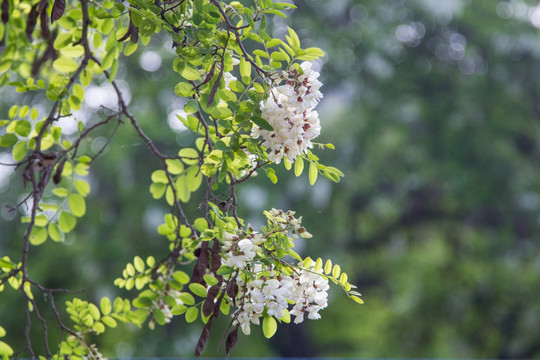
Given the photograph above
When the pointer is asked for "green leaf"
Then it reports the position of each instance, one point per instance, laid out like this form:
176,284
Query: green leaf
188,71
65,65
269,326
159,176
109,321
23,127
198,289
191,107
94,311
139,264
77,205
328,266
181,277
298,166
184,89
245,68
105,305
19,151
38,236
54,232
157,190
210,279
8,140
280,56
5,349
313,173
189,156
191,314
178,309
66,221
271,174
262,123
224,270
82,187
187,298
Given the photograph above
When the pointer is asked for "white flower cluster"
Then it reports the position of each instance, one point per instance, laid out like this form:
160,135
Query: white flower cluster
289,110
238,252
273,293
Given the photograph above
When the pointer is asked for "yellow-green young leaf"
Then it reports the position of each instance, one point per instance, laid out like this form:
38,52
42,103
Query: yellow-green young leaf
191,107
198,289
245,68
38,236
184,89
94,311
98,327
150,261
187,298
271,174
285,316
269,326
194,178
189,156
5,349
343,278
336,271
191,314
174,166
159,176
178,309
86,77
139,264
280,56
105,305
298,166
357,299
328,266
181,277
308,262
130,48
118,305
293,39
182,190
77,205
130,269
54,232
313,173
65,65
225,307
287,164
82,187
19,151
210,279
2,332
189,72
318,265
109,321
66,221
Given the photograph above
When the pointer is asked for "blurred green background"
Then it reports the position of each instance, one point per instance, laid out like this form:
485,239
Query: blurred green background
434,109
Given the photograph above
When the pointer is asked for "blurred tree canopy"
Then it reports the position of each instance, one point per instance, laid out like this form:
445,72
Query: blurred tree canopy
434,110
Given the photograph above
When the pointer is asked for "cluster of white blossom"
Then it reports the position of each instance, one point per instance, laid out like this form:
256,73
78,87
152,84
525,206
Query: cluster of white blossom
272,293
238,252
289,110
262,289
